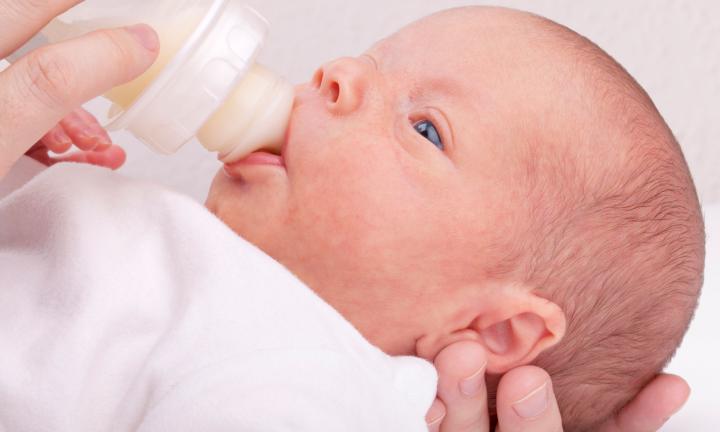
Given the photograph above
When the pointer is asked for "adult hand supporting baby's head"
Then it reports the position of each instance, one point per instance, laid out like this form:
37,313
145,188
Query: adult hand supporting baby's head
43,87
525,398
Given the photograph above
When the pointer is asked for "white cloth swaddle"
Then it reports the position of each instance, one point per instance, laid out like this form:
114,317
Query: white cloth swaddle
127,307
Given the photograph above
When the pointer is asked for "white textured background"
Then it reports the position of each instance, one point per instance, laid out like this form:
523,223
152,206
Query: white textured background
672,47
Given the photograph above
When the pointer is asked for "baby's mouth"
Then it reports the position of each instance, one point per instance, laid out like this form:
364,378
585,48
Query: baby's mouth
269,157
262,157
258,158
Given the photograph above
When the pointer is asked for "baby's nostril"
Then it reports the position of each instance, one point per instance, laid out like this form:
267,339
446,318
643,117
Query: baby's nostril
334,89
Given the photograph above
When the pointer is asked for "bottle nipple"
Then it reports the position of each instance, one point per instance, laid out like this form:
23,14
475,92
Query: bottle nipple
254,117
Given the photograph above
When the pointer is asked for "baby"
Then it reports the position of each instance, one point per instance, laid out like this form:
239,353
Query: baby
490,175
483,174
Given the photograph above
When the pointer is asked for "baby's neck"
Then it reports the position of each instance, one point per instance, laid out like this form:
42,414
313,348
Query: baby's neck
375,317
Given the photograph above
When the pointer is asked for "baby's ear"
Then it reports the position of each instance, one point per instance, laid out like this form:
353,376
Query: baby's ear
515,326
517,333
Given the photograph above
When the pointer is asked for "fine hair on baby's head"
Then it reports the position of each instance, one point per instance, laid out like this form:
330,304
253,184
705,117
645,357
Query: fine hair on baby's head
615,234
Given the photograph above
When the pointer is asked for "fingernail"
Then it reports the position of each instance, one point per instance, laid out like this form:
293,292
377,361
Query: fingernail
534,404
89,140
146,35
62,139
104,143
472,385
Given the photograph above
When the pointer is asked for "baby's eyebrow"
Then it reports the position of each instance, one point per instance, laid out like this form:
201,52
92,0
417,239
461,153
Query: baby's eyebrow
441,86
426,86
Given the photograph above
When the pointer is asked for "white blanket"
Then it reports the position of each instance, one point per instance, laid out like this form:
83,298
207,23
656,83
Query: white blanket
124,306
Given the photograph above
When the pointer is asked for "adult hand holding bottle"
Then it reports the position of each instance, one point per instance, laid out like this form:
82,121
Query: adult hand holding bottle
48,85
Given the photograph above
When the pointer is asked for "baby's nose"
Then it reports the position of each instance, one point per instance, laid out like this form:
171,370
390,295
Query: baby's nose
343,83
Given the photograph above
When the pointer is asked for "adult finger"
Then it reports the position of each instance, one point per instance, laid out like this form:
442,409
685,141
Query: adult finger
43,87
652,407
21,19
526,402
461,387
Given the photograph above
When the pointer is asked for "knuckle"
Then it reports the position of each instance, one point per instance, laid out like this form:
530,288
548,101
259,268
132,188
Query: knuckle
50,78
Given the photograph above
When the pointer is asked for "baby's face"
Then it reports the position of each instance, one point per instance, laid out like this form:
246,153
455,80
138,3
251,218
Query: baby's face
398,175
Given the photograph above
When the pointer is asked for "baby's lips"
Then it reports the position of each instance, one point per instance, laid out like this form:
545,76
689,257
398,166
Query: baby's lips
258,158
261,158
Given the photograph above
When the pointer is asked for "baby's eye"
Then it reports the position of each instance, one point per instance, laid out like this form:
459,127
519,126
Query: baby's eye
428,130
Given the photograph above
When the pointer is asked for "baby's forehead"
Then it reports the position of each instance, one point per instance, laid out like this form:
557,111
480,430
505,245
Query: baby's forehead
477,48
460,29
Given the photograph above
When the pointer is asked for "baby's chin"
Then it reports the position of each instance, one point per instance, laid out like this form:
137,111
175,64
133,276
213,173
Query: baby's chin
248,204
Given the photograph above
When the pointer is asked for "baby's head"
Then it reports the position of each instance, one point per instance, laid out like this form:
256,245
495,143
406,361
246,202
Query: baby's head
487,174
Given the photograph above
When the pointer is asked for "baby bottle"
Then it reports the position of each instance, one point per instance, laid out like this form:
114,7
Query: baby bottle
205,82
